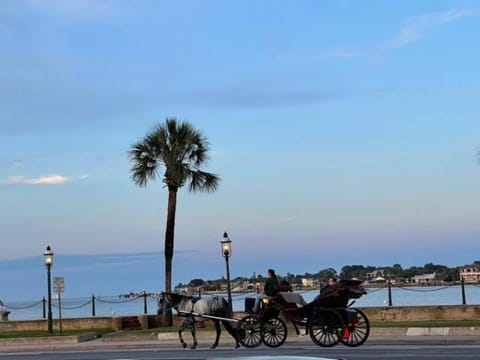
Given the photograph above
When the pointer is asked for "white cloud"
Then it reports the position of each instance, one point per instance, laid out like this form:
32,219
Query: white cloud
416,28
83,177
52,179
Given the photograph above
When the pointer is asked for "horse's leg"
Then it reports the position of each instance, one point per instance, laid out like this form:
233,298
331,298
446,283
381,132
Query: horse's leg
194,335
180,330
233,331
218,330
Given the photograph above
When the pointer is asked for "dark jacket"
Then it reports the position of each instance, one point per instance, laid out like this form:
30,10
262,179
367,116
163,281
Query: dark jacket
269,286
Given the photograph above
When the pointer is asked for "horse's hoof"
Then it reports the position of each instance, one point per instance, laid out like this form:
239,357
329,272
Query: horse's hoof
184,345
193,347
212,347
237,346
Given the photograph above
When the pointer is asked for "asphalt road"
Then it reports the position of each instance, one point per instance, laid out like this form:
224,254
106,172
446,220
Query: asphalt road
366,352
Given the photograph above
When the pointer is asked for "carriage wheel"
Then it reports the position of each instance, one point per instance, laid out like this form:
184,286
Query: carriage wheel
250,329
274,332
325,327
356,333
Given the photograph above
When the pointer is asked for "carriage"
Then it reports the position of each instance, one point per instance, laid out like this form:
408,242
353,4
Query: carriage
329,319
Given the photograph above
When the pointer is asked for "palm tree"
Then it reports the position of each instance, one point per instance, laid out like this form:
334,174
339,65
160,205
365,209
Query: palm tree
181,150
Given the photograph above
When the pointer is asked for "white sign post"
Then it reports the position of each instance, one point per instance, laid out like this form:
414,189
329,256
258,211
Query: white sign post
59,287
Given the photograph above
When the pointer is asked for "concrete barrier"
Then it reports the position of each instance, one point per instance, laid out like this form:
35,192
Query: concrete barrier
422,313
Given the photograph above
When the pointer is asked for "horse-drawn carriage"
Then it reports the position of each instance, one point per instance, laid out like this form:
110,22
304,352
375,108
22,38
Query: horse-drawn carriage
328,319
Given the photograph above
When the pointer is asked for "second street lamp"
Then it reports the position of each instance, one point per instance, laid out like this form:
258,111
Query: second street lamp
48,259
226,244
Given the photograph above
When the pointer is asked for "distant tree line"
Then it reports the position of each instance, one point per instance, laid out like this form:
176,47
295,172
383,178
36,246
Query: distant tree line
395,271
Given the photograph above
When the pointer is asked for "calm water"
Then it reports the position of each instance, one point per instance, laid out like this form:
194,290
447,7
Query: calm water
109,305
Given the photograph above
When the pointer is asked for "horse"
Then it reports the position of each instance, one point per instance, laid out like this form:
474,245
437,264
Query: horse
214,308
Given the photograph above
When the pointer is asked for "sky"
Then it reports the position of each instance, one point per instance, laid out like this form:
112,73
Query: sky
344,132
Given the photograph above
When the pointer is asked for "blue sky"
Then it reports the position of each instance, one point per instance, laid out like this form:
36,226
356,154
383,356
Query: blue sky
345,132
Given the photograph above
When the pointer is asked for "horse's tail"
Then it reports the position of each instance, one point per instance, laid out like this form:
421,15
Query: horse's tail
233,331
230,329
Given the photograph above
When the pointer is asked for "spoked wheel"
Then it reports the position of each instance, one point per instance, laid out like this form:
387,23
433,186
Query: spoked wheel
356,330
274,332
325,327
250,329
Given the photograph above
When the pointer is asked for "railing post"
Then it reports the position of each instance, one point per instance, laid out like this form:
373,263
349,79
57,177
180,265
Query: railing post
44,303
389,292
145,310
464,300
93,304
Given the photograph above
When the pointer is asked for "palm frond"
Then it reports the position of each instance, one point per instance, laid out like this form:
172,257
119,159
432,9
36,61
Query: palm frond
144,164
203,181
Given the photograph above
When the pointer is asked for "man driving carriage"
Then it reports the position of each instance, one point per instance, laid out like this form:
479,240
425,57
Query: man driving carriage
269,289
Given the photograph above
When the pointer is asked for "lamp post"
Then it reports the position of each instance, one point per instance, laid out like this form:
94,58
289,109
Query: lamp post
226,245
48,259
389,290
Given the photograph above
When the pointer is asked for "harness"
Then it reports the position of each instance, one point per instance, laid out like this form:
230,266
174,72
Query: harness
184,314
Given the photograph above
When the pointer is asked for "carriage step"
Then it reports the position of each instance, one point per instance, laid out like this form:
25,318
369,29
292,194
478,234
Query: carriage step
131,323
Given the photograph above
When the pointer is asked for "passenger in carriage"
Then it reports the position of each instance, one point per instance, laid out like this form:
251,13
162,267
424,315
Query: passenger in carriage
329,286
328,289
268,289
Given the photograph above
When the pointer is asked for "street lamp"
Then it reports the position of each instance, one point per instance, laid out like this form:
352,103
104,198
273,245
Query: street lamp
48,259
226,245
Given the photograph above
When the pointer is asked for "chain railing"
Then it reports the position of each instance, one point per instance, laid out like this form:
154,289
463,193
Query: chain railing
389,285
11,307
70,304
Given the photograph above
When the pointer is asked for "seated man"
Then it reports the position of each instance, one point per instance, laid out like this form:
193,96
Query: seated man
268,289
328,290
329,287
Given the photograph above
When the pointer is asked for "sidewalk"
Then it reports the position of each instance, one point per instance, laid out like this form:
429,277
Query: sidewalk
205,339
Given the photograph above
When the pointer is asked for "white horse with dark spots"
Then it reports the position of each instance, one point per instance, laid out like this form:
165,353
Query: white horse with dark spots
192,308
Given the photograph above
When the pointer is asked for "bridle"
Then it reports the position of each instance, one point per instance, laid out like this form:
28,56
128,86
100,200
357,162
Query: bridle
167,305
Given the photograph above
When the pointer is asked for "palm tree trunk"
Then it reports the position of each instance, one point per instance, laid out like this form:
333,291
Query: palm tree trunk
169,245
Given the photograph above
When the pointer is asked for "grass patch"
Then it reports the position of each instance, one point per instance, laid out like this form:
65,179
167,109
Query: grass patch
379,324
426,323
44,333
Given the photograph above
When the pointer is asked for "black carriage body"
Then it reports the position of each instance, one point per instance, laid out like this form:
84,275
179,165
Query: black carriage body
328,318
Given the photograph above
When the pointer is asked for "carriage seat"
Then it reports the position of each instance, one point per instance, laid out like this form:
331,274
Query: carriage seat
291,298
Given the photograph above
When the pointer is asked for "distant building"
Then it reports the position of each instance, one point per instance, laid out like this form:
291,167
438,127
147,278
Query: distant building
376,276
470,273
307,282
424,279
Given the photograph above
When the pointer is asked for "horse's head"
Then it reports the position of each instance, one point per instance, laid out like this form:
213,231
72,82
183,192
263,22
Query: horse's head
168,300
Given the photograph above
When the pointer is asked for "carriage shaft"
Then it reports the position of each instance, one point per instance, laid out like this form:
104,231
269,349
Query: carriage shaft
186,314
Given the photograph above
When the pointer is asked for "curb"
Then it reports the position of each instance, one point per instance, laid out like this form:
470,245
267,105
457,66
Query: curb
123,341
